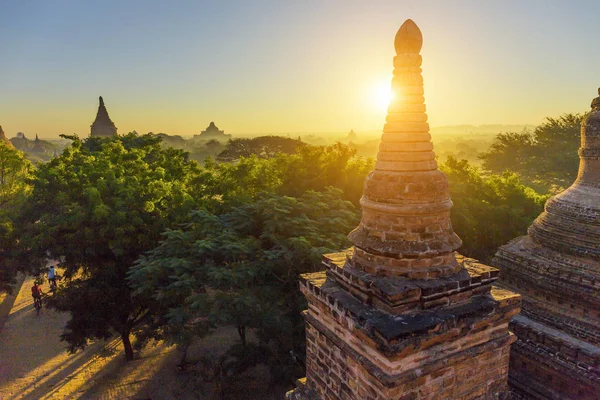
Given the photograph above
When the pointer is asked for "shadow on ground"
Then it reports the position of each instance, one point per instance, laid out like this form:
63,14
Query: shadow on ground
35,365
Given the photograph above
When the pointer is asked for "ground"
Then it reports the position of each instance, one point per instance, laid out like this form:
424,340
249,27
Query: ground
35,365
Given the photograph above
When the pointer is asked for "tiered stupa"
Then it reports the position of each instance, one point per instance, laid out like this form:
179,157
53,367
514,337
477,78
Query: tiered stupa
103,126
401,315
37,145
212,133
556,268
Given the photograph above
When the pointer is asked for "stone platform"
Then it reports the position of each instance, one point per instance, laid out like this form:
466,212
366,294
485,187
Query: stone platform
358,351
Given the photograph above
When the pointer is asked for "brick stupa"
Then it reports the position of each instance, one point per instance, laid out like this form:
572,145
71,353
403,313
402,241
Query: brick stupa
103,126
401,315
556,268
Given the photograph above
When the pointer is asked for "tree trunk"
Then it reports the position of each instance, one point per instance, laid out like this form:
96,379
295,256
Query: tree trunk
127,344
242,332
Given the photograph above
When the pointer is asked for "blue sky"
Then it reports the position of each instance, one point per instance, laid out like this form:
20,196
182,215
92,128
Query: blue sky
287,66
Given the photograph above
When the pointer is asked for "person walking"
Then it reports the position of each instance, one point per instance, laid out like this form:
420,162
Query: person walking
36,293
52,278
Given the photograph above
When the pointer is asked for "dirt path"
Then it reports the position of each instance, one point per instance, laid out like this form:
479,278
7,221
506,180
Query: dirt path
35,365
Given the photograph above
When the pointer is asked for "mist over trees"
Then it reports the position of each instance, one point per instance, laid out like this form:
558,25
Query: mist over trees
157,246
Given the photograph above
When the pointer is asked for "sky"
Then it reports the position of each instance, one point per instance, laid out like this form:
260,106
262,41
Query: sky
268,67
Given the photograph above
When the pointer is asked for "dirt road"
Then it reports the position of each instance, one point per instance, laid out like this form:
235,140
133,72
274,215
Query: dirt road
35,365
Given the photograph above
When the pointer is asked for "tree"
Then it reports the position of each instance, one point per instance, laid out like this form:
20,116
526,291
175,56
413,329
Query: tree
308,168
545,158
15,171
488,211
262,146
241,267
99,207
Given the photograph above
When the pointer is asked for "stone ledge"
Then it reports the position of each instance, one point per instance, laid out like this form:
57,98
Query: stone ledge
576,279
425,368
571,349
540,354
398,295
395,333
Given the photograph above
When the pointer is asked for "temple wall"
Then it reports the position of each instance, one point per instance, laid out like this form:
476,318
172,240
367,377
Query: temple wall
529,359
468,360
337,376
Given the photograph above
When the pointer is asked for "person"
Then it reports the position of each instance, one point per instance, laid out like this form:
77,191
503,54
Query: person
52,277
36,293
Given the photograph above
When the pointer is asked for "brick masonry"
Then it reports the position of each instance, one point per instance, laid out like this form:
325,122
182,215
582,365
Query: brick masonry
556,268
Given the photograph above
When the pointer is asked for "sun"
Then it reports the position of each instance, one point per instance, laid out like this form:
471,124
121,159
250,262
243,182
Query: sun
381,95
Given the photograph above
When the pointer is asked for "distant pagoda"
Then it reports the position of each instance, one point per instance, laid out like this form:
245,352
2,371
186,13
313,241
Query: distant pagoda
401,315
556,268
212,132
351,136
103,126
37,145
20,141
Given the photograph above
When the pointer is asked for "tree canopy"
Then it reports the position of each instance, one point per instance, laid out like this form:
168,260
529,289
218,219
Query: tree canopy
488,211
308,168
545,159
262,146
241,267
15,172
98,207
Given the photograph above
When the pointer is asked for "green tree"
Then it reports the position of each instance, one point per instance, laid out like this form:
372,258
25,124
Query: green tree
15,171
262,146
242,267
100,206
546,158
308,168
488,211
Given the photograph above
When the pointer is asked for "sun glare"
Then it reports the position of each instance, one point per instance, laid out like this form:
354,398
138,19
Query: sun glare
381,95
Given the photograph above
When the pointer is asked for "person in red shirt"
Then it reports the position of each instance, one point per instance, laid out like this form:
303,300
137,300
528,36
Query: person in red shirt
36,293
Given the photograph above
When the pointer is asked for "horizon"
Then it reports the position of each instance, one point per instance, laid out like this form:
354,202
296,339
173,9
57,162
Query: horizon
435,130
272,68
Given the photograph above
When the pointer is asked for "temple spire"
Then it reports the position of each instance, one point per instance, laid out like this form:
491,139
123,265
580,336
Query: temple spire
400,314
405,228
570,221
103,126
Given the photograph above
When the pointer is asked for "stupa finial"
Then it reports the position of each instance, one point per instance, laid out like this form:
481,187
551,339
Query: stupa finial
405,228
408,38
101,100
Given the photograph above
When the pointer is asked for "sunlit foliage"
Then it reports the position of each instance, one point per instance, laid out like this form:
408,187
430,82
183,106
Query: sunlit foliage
545,159
98,207
15,171
488,211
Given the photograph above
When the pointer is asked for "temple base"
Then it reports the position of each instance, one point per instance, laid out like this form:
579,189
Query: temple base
356,351
549,364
